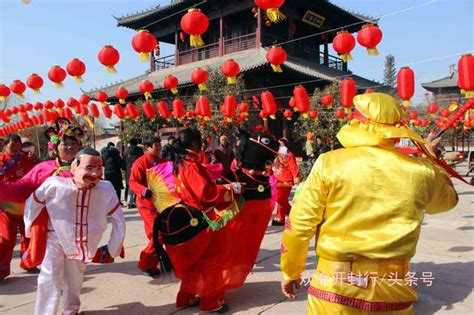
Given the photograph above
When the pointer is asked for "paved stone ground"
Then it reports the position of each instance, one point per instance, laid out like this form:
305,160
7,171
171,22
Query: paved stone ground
446,249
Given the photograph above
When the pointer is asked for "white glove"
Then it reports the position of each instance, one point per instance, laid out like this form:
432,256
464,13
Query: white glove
237,188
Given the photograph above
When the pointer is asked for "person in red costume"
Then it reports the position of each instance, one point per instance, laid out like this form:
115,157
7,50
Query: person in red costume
66,140
13,165
199,261
149,260
287,174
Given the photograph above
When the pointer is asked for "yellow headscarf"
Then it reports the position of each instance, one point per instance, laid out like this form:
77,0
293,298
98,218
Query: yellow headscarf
377,121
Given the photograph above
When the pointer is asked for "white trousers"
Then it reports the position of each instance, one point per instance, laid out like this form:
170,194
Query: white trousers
58,274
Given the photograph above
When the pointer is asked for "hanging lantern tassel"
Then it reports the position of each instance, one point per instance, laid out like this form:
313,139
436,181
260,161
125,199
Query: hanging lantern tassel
144,56
275,15
121,100
147,96
58,85
202,87
174,90
78,79
196,41
276,68
89,121
231,80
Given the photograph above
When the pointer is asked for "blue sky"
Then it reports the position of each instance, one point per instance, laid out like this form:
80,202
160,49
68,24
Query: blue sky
47,32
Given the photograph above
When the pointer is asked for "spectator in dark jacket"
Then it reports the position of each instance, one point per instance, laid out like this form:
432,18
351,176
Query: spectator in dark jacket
113,165
132,153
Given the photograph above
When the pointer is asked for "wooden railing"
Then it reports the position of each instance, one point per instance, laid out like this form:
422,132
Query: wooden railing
228,46
164,62
240,43
308,53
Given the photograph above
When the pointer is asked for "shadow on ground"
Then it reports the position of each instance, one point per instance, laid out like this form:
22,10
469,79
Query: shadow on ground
452,283
133,308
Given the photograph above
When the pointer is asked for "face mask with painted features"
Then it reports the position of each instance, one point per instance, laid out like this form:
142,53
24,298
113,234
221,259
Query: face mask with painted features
89,171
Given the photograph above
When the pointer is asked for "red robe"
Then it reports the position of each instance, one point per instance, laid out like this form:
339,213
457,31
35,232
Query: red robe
12,168
18,191
285,171
138,184
199,262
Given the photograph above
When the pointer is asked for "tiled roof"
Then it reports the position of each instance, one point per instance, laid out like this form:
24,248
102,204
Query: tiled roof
128,20
248,60
447,82
131,18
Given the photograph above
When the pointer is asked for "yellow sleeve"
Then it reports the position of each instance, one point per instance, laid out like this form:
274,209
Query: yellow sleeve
305,215
443,195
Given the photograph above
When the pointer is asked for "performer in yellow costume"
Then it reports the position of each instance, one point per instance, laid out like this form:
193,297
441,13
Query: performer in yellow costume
365,205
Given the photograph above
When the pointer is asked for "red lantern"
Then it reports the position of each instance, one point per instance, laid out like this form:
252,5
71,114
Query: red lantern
83,110
178,109
313,114
340,114
67,113
95,110
118,110
200,77
348,91
406,85
182,36
57,75
121,93
195,23
59,103
35,82
292,104
263,114
276,56
301,100
268,104
231,70
101,97
22,109
413,116
131,111
144,43
432,109
84,99
229,107
76,69
72,103
203,107
343,44
38,106
4,92
163,110
272,9
370,36
109,57
466,75
48,104
287,114
146,87
445,113
106,110
171,83
18,88
190,115
327,100
244,110
148,110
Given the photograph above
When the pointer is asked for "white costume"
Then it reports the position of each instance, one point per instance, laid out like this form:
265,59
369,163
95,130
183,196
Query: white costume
77,220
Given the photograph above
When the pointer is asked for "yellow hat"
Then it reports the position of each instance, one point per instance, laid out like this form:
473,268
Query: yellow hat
377,120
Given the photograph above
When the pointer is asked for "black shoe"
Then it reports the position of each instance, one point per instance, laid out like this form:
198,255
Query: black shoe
224,309
278,223
151,273
131,205
33,270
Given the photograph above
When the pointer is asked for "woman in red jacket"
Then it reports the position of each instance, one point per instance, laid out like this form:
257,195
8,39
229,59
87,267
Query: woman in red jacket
199,262
287,174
